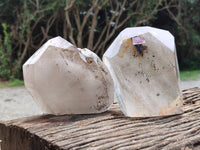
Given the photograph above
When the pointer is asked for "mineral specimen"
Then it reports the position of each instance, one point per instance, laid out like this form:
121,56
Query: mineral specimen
143,64
64,79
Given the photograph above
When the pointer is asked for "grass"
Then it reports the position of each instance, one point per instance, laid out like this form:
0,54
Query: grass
11,83
193,74
15,82
2,86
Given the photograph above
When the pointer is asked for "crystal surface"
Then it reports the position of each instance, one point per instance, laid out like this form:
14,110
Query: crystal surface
64,79
146,76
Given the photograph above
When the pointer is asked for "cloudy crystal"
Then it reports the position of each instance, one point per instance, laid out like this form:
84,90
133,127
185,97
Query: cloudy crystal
64,79
146,80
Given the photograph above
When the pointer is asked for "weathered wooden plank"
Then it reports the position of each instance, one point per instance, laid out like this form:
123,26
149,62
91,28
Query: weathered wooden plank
109,130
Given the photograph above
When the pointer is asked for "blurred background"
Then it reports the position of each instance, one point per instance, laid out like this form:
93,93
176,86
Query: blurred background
26,24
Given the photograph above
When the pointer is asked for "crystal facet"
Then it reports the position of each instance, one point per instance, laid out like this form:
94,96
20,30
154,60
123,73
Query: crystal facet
146,76
64,79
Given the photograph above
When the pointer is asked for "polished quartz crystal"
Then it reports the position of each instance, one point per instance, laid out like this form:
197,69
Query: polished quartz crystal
143,64
64,79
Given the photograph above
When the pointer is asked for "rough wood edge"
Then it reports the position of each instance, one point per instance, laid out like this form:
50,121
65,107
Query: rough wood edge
42,132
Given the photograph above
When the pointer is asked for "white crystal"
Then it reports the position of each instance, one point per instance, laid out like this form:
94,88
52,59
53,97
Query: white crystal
145,85
64,79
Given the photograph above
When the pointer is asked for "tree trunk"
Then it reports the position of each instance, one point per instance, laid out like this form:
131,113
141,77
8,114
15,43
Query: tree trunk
109,130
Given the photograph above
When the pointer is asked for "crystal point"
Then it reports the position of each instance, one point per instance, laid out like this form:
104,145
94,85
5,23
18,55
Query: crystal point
64,79
146,76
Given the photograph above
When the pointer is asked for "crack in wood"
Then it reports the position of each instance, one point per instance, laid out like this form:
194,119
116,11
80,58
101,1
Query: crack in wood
109,130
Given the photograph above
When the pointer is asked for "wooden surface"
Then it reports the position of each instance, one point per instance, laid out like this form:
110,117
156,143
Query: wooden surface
109,130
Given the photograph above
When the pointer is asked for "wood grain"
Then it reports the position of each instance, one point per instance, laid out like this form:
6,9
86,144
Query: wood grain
109,130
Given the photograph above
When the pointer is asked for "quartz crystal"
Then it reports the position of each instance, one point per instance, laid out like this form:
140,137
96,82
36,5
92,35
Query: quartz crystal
143,64
64,79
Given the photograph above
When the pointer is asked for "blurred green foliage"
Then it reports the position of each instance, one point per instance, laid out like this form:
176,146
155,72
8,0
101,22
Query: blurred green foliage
6,52
184,24
26,24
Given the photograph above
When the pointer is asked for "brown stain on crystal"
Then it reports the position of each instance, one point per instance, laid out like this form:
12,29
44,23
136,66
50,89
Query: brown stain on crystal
170,109
62,55
129,40
100,104
124,47
121,56
89,60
